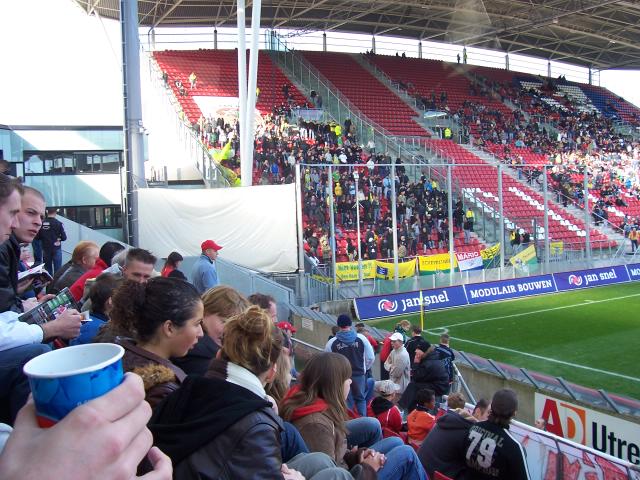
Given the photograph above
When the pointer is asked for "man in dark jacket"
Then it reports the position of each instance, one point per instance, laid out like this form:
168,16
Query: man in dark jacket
416,342
441,450
30,220
52,235
427,371
490,451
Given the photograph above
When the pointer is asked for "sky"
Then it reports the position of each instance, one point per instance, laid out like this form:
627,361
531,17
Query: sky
62,67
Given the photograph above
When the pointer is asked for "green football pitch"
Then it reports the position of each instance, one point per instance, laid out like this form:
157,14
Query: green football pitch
590,337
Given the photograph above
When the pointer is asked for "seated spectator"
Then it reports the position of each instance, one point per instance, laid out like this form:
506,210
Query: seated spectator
428,371
455,401
155,321
384,409
442,450
489,449
421,421
317,407
481,410
29,220
106,438
100,296
221,425
19,341
84,257
107,251
220,304
173,263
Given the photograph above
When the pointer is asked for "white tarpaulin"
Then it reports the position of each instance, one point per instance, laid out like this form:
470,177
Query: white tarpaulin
256,226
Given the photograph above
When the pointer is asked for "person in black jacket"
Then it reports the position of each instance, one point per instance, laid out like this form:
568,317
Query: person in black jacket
416,342
30,220
490,451
427,371
441,450
52,235
220,304
222,425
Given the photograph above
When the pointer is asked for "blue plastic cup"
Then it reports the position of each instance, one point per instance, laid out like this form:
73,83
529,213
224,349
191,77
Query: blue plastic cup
63,379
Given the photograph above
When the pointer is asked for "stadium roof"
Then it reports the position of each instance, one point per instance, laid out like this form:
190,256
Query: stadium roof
603,34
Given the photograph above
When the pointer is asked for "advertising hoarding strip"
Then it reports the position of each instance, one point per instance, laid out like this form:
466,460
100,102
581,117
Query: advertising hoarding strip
395,304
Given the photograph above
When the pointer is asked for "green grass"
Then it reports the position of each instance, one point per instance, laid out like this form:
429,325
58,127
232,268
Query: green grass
592,328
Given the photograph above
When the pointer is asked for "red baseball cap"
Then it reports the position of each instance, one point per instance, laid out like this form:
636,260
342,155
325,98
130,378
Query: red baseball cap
286,326
207,244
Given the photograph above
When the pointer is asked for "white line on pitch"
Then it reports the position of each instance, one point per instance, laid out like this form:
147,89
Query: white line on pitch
521,314
546,359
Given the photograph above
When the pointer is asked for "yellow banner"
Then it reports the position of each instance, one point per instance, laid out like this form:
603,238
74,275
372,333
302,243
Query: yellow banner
436,263
528,255
405,269
556,248
491,252
348,271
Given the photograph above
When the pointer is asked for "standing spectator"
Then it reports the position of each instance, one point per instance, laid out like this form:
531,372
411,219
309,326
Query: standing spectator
362,329
173,263
29,222
633,237
447,356
357,349
490,450
402,328
52,235
204,274
397,364
193,80
415,342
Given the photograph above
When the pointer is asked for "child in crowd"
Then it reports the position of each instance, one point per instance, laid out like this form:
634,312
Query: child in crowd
421,421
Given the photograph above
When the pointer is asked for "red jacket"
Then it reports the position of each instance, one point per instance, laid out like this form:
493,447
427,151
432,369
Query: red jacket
390,418
77,289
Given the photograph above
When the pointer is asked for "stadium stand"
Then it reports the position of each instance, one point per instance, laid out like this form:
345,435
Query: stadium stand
217,73
367,93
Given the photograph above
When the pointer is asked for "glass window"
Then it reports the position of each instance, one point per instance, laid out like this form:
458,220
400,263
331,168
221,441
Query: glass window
33,164
94,217
71,162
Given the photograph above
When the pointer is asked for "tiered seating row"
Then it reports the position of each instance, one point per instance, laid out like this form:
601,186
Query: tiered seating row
217,73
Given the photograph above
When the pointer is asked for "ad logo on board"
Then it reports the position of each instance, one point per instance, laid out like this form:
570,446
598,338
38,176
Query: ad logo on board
385,305
575,280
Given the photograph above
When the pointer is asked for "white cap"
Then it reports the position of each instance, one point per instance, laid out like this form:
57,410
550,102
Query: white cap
397,336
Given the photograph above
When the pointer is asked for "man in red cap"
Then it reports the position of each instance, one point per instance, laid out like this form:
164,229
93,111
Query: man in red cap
204,275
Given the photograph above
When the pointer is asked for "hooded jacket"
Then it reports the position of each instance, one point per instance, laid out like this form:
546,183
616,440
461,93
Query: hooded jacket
355,347
443,449
219,427
387,414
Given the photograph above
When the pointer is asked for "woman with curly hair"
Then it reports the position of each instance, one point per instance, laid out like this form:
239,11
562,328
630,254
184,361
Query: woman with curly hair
155,321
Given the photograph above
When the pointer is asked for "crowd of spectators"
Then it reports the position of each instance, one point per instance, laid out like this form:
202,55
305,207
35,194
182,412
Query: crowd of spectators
208,388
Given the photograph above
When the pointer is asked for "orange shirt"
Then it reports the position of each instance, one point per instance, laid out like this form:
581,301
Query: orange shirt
420,424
